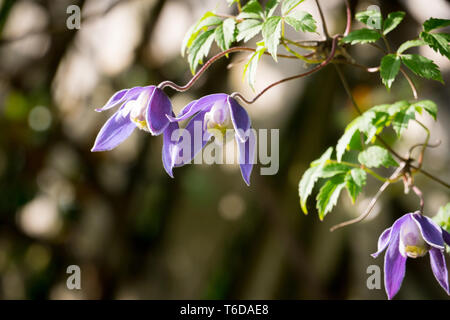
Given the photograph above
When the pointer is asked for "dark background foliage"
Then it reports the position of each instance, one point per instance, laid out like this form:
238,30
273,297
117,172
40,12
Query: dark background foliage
135,232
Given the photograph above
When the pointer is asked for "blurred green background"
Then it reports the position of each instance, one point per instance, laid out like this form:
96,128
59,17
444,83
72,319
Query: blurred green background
138,234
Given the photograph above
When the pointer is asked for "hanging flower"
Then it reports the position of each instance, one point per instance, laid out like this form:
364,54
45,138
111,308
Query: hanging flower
145,108
412,236
216,114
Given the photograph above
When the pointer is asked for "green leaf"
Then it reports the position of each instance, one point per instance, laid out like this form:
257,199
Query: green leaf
200,49
229,26
207,20
401,117
422,66
332,169
362,36
220,38
252,65
301,20
371,18
429,106
247,29
366,123
271,31
390,66
376,156
392,21
288,5
410,44
252,10
355,180
310,178
437,42
434,23
442,218
270,7
329,194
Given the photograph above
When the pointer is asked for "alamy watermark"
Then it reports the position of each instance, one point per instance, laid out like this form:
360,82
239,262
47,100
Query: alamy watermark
192,147
73,21
374,280
73,281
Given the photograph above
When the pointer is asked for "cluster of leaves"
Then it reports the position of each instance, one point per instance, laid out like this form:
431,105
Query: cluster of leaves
252,20
391,62
360,135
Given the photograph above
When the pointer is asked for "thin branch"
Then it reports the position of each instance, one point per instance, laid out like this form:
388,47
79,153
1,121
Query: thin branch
411,83
322,18
317,68
357,65
299,56
194,79
427,139
419,193
432,177
348,26
367,170
428,145
371,204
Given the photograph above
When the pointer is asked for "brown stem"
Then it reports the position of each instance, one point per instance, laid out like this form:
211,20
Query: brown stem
194,79
429,175
411,83
322,18
317,68
371,204
420,195
349,18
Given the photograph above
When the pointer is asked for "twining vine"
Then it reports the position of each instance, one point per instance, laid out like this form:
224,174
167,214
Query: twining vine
413,234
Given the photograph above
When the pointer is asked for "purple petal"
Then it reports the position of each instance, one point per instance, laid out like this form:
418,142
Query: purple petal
383,241
199,105
114,132
120,97
247,155
394,264
439,268
169,144
159,106
431,233
198,138
240,119
173,118
446,236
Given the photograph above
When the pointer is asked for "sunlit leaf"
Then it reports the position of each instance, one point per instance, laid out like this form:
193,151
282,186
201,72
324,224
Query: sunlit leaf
376,156
271,31
390,66
392,21
310,177
362,36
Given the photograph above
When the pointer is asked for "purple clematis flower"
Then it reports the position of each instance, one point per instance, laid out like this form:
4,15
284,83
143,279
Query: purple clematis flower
216,114
145,108
413,235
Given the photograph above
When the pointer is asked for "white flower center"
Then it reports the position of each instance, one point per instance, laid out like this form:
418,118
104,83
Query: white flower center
218,120
412,243
137,110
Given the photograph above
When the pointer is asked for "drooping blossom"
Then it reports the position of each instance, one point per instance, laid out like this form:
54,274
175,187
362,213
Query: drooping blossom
217,114
145,108
412,236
